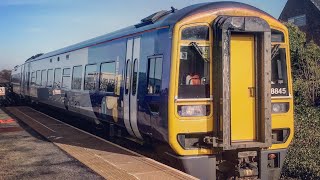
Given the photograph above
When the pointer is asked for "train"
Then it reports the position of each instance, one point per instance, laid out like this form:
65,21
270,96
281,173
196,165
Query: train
212,82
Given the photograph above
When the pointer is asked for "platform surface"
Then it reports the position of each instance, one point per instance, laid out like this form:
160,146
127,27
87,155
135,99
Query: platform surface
25,154
109,160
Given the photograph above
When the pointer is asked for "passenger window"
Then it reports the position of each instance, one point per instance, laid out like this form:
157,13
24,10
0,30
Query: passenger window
107,77
57,78
127,78
90,77
50,78
154,75
66,79
195,33
43,78
33,78
135,77
76,77
38,79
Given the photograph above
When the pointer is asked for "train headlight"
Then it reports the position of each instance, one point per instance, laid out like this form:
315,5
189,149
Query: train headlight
192,111
280,108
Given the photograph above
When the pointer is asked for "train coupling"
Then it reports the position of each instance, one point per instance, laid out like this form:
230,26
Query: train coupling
247,164
239,164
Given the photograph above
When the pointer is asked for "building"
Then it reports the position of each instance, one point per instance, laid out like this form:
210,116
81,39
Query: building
306,15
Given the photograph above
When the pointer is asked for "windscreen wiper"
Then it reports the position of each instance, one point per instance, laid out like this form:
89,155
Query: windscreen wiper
275,51
198,50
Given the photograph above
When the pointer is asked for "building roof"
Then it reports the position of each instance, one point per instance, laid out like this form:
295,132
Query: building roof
316,3
167,20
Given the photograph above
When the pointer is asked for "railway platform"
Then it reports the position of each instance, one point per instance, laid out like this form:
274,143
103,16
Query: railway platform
25,154
107,159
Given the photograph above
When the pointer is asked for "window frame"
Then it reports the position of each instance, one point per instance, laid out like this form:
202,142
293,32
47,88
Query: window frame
54,77
208,43
33,78
38,79
286,75
115,73
155,57
42,78
48,70
199,101
72,77
134,78
64,76
85,75
294,18
126,78
193,26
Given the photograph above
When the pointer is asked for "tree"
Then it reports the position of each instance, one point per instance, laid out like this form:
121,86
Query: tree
305,59
5,75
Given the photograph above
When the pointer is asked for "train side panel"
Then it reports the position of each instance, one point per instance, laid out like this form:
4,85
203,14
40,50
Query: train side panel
54,81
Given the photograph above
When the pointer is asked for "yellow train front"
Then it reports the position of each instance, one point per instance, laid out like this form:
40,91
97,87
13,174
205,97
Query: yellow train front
230,97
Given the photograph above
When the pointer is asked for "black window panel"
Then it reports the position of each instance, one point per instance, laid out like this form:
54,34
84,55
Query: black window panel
90,77
107,77
38,78
33,78
194,75
127,76
279,77
76,77
57,78
195,33
43,77
300,20
277,36
50,78
135,77
66,79
154,75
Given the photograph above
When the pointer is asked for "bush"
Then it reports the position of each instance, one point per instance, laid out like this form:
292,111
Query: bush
303,159
305,59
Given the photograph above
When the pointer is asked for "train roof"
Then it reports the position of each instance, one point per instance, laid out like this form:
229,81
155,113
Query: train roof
163,18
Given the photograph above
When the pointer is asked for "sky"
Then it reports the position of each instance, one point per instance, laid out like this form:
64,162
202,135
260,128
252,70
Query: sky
29,27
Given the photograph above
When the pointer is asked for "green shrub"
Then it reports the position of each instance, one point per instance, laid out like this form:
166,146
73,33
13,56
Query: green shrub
305,60
303,159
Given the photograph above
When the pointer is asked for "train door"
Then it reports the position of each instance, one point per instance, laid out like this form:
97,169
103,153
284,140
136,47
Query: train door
131,87
22,80
242,78
242,85
26,79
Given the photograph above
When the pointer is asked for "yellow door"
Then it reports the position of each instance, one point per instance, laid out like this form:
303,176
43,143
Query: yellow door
243,121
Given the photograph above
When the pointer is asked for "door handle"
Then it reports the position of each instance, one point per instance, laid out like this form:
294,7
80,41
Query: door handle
252,91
